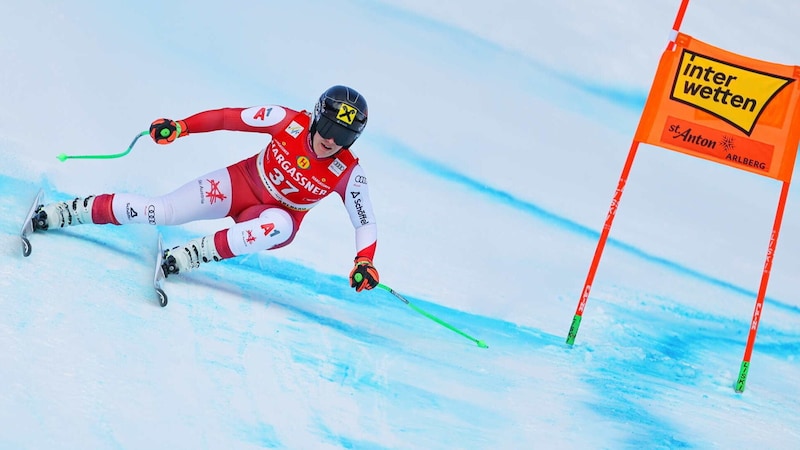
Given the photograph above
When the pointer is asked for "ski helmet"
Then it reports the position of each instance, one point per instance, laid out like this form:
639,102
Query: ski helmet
341,114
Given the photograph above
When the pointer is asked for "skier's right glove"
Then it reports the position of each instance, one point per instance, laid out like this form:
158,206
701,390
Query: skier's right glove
165,131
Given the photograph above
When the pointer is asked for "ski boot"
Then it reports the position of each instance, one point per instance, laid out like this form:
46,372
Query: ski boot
184,258
62,214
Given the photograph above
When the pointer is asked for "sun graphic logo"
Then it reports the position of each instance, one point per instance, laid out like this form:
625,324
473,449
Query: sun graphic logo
303,162
728,143
215,193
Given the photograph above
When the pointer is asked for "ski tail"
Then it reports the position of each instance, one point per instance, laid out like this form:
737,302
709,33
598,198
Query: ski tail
158,276
27,225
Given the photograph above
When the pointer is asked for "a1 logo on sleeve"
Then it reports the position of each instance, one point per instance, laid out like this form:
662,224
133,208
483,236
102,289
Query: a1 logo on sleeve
263,116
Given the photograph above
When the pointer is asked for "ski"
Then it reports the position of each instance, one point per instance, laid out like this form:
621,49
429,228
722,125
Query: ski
27,225
159,277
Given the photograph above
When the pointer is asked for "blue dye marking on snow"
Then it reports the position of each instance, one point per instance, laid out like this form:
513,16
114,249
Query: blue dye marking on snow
439,170
260,434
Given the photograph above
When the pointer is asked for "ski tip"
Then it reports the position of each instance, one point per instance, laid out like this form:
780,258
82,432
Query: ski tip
26,247
162,297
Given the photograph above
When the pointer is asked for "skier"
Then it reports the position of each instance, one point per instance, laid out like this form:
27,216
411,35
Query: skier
266,195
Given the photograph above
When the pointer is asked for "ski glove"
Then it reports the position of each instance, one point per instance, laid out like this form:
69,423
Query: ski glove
364,275
165,131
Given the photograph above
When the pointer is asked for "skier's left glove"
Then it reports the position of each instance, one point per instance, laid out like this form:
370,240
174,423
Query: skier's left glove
364,275
165,131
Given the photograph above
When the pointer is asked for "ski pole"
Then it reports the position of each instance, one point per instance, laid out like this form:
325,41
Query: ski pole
63,157
441,322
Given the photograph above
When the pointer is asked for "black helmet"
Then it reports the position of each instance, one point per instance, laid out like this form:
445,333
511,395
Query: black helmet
341,114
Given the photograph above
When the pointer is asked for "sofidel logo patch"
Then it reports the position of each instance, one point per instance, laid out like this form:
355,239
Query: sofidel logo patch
735,94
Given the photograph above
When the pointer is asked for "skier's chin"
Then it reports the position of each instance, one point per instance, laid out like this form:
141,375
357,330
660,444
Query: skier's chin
324,151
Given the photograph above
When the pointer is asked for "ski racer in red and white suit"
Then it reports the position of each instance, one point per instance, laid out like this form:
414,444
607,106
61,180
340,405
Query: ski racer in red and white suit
267,195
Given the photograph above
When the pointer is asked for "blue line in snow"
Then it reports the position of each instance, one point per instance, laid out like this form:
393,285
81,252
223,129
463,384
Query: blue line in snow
439,170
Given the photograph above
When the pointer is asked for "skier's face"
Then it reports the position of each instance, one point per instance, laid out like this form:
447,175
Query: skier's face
324,148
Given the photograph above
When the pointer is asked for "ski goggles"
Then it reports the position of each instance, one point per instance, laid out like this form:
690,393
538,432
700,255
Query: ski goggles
341,135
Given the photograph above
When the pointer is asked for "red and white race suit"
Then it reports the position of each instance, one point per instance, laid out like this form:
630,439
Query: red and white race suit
267,195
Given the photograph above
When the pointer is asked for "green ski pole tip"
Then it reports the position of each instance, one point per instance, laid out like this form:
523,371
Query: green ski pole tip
481,344
62,157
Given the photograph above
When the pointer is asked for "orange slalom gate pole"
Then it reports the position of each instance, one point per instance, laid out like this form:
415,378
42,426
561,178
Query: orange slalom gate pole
601,243
762,291
598,253
676,26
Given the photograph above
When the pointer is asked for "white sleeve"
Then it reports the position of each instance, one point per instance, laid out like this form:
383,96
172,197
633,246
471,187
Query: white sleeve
359,207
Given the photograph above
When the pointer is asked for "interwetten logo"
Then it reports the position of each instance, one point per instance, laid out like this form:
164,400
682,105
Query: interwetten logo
733,93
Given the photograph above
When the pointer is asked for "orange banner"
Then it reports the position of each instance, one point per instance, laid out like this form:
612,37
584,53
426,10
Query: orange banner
723,107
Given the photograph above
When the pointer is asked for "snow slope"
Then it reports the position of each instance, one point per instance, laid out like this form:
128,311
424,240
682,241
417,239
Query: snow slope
497,134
